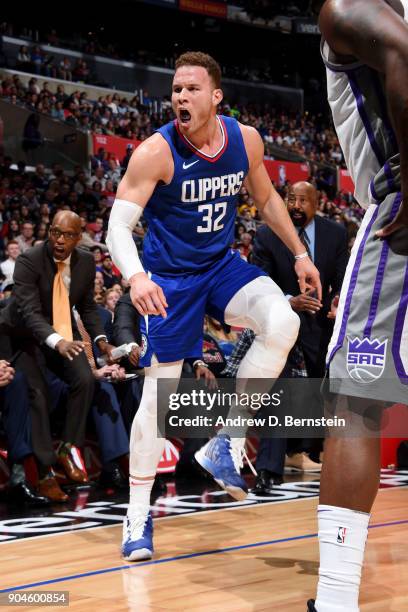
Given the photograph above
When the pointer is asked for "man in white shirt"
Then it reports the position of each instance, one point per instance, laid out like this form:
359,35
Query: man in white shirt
7,266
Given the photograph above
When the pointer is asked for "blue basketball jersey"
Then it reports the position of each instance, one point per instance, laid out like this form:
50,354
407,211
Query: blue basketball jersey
191,220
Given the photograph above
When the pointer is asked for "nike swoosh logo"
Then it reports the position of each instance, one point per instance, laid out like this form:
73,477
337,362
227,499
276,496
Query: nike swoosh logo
185,166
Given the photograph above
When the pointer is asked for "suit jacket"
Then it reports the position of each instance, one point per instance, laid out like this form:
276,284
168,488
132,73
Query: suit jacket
330,258
29,311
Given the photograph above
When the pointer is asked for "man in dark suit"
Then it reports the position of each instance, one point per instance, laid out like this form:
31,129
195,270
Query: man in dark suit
50,279
326,242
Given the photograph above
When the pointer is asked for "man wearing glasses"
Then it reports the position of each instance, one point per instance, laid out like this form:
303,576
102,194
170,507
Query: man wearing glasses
50,280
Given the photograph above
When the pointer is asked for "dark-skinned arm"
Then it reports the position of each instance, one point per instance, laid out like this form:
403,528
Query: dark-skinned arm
378,36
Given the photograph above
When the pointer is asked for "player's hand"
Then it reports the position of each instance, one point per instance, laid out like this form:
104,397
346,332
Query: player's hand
147,297
400,221
308,275
6,373
69,350
333,308
305,302
209,379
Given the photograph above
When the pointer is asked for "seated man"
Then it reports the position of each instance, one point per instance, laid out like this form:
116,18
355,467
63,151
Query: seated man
50,279
17,425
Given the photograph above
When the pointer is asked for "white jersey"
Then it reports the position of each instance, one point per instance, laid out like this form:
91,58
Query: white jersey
356,95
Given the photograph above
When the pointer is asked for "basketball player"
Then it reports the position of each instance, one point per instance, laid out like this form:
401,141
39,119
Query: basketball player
186,179
365,49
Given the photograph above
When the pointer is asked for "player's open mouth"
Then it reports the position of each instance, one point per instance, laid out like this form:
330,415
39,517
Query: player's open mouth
184,116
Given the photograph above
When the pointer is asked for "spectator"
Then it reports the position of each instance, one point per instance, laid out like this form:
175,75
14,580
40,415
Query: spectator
13,230
109,278
14,404
245,246
88,238
7,266
26,239
248,221
32,138
111,299
39,178
65,70
23,59
98,256
125,161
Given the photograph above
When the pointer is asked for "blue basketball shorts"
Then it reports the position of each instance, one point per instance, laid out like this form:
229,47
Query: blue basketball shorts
189,298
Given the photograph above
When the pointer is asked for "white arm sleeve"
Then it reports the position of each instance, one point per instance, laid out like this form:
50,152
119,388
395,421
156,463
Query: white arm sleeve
122,221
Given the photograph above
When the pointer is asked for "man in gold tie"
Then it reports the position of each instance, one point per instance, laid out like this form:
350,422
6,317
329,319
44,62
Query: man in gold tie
50,279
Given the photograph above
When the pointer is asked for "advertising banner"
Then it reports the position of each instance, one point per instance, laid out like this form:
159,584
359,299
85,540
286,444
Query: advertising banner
282,171
204,7
113,144
345,182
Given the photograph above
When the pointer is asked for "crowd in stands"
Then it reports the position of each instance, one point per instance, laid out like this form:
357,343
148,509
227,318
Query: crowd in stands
32,58
29,200
306,135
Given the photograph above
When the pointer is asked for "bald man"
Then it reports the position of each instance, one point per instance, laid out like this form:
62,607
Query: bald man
326,242
40,338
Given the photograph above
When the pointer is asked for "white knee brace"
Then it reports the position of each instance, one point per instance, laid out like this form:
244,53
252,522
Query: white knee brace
262,307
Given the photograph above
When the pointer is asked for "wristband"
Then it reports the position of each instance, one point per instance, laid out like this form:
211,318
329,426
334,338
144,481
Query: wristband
302,255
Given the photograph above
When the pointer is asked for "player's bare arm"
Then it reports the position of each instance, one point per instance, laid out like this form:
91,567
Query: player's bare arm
150,164
377,35
274,212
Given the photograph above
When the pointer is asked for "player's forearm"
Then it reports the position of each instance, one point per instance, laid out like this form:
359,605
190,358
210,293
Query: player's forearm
123,218
277,217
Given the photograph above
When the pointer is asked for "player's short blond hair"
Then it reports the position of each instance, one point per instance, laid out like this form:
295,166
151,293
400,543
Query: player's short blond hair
197,58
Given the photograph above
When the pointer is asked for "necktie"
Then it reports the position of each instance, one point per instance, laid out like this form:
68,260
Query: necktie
86,338
304,239
61,311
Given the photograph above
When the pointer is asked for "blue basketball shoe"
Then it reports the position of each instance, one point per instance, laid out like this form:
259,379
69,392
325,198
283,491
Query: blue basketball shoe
224,461
137,542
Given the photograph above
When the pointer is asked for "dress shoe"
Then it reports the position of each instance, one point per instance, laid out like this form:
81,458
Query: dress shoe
113,478
266,481
301,462
23,493
50,488
70,460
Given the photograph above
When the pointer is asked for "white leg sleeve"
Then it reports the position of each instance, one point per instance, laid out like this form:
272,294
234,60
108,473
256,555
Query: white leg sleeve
146,448
261,306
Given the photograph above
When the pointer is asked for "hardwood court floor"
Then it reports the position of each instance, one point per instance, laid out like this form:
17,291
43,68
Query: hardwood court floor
266,571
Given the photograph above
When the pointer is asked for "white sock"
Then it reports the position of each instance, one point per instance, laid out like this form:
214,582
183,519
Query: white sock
342,540
139,497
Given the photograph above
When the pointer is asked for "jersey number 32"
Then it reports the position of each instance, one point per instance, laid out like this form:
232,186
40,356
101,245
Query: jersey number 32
212,217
